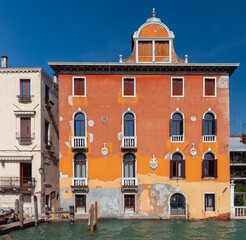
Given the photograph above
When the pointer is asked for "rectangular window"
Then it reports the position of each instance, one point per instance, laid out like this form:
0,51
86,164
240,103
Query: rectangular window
129,202
25,131
25,90
47,94
129,89
177,87
26,175
47,133
79,86
209,87
27,198
209,202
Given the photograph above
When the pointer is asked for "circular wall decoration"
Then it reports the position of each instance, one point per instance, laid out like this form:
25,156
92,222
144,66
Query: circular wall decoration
104,118
193,118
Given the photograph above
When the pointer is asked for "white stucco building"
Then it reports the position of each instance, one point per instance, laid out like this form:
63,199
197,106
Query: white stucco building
29,160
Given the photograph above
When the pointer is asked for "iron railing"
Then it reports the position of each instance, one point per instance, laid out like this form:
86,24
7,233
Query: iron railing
17,182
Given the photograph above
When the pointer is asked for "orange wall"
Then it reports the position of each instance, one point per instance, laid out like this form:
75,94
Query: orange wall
153,106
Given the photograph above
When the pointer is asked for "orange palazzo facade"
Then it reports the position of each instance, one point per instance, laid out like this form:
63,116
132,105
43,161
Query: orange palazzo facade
147,137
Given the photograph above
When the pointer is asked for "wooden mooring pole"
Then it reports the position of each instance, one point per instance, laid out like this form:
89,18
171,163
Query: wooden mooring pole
95,216
16,210
46,214
36,210
71,214
21,211
91,218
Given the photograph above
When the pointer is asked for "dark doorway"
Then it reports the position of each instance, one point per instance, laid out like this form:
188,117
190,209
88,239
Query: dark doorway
26,174
178,205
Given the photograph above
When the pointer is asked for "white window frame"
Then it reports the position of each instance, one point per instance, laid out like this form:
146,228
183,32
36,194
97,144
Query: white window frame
84,86
172,86
123,78
215,207
74,169
136,179
177,111
211,136
215,86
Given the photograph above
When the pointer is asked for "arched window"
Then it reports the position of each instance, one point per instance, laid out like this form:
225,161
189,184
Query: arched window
209,125
129,169
79,125
209,165
80,169
129,127
178,204
176,128
177,166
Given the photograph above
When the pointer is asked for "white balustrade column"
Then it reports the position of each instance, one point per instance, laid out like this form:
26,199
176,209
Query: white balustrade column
232,199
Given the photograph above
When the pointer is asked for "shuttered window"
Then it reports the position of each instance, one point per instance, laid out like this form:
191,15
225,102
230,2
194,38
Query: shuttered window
145,49
79,86
177,87
161,49
128,87
25,135
209,166
209,84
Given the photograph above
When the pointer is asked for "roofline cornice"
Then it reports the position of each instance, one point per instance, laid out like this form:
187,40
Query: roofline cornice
143,68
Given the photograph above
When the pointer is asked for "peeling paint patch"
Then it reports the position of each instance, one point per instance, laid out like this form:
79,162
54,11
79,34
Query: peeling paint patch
91,137
68,144
91,123
63,175
59,155
119,135
61,118
167,156
70,100
223,82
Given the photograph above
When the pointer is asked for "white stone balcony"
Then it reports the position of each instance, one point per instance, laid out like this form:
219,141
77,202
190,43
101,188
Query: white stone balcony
209,138
177,138
129,142
79,142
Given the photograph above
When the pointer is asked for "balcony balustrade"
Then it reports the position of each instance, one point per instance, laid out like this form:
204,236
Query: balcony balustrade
17,182
177,138
129,142
79,142
209,138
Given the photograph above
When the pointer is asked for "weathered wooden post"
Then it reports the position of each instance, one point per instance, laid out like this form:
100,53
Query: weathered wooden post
35,210
46,214
53,213
91,219
16,210
71,214
21,211
95,216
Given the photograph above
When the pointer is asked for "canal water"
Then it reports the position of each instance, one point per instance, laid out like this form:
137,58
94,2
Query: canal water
140,229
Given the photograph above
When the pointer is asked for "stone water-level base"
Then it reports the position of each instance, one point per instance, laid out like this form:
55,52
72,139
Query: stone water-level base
150,201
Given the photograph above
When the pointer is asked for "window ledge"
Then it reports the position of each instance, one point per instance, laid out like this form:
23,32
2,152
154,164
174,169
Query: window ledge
209,178
177,178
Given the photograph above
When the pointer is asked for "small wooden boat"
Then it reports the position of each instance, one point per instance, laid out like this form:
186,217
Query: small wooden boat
4,214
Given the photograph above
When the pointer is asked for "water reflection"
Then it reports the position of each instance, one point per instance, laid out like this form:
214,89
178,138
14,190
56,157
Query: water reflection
141,229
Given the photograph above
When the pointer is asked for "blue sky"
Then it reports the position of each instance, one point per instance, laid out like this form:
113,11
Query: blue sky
35,32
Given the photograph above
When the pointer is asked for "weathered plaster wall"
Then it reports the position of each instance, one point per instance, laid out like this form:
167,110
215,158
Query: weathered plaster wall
153,106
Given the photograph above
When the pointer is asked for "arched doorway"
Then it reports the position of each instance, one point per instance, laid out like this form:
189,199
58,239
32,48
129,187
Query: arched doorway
178,205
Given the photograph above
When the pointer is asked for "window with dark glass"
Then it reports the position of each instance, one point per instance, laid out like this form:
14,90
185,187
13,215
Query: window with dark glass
25,90
209,202
209,166
129,169
47,133
177,87
79,125
80,202
129,125
25,129
177,166
79,86
47,94
209,86
176,124
129,87
129,201
26,175
80,166
209,124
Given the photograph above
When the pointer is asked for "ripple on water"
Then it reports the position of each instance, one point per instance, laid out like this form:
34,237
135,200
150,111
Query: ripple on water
140,229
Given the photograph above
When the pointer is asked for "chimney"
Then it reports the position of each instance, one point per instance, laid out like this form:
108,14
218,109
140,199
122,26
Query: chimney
243,139
4,62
